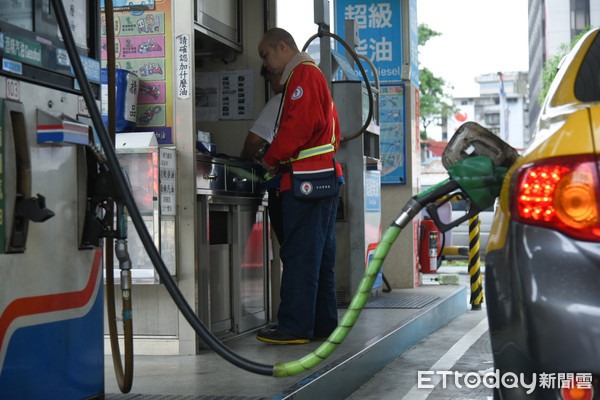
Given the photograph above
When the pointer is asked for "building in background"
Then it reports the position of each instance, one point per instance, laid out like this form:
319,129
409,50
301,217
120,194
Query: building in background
504,112
490,109
552,23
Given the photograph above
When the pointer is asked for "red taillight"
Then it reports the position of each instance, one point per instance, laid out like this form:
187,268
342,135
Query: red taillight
577,393
559,193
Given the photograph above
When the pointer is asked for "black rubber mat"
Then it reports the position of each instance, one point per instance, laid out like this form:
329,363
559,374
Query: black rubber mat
406,301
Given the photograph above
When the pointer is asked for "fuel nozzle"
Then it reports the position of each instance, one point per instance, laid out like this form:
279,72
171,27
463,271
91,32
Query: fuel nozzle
471,140
33,209
477,162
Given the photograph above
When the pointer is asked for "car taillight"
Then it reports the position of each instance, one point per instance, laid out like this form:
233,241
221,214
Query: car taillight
577,393
560,193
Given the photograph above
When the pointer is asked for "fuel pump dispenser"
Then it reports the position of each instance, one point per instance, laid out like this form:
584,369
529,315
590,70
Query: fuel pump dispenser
358,225
51,333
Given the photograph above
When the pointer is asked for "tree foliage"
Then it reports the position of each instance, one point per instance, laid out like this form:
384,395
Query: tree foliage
435,101
426,33
551,66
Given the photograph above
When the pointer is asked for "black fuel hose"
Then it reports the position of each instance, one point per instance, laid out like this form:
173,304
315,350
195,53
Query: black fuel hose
123,374
372,66
135,215
353,54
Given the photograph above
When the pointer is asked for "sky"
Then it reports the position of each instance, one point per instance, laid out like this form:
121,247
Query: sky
297,17
477,37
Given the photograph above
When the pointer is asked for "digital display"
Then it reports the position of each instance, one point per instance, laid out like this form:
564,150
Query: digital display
32,47
17,12
76,11
23,14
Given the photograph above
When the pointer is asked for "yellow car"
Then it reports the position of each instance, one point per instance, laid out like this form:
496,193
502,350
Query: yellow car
543,256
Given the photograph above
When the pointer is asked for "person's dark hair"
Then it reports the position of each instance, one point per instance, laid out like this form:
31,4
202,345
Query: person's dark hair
274,35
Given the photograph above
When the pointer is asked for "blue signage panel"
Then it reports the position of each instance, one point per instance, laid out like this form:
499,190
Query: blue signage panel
372,191
130,5
414,43
380,33
392,131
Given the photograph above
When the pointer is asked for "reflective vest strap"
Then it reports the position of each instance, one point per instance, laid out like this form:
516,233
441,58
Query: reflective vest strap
333,130
313,151
312,64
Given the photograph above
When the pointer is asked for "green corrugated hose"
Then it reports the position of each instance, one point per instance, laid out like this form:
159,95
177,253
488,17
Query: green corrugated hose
483,181
351,315
410,210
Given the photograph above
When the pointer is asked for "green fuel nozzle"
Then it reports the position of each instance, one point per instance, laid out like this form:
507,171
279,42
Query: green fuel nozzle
475,179
479,178
477,162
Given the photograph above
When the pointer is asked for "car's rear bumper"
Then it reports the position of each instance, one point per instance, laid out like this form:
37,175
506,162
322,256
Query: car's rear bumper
543,301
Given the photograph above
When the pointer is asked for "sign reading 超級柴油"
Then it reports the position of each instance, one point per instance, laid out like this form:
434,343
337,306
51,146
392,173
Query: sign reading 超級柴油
379,27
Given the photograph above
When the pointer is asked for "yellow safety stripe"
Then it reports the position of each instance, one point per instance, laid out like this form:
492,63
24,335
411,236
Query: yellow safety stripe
311,152
333,130
313,64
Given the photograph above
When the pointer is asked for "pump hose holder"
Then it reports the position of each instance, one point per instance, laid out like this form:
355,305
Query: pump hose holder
33,208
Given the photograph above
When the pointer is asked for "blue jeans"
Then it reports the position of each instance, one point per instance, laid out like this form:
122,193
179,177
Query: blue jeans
308,301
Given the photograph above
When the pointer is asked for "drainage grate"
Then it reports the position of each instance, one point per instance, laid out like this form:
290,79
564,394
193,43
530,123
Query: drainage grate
407,301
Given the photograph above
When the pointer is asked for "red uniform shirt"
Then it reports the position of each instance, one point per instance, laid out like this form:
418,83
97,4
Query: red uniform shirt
308,119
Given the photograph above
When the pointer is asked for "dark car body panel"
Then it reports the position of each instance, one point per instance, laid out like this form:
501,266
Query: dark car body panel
543,306
542,297
542,286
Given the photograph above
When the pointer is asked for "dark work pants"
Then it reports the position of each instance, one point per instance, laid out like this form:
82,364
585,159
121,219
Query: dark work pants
308,301
275,213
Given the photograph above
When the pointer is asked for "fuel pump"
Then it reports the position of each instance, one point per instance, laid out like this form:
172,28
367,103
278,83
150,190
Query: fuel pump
51,326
